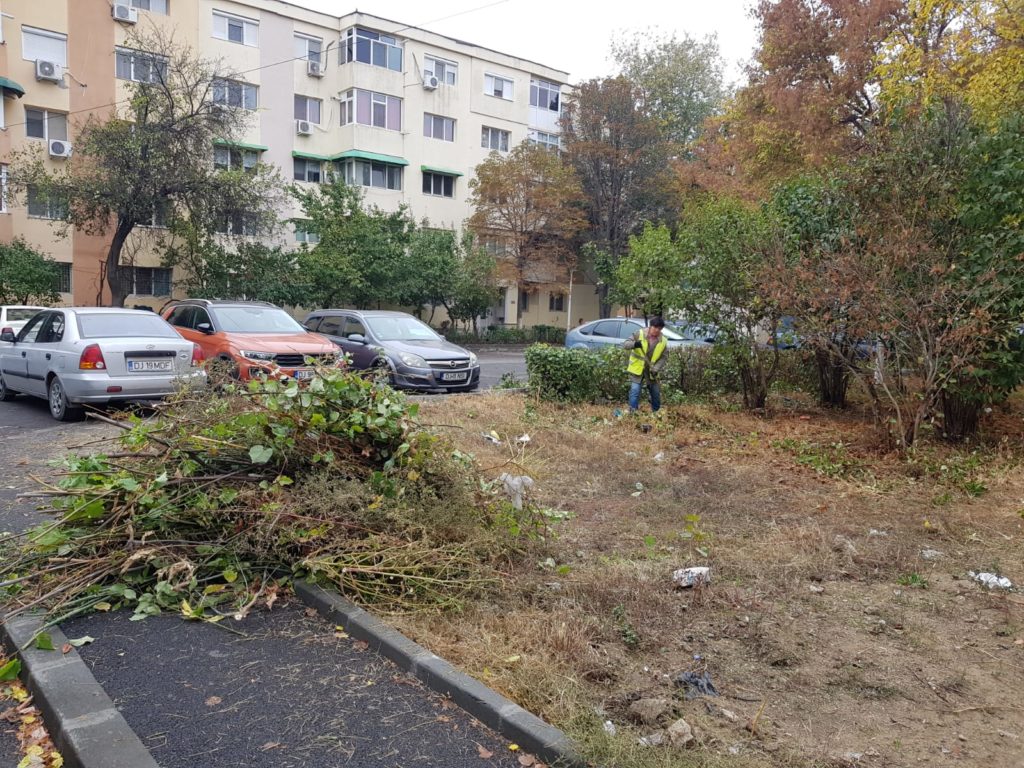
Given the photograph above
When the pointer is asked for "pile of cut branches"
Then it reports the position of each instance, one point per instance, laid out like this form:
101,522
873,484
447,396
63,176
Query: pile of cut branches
216,503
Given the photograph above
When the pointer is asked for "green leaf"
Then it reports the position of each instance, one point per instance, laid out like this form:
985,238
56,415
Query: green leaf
10,670
78,642
230,575
260,454
44,642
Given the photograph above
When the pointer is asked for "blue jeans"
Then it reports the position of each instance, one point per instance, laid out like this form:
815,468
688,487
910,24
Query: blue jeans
653,389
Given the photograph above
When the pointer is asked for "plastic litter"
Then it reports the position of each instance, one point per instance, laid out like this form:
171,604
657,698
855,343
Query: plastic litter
930,554
491,437
609,727
517,487
659,456
692,577
991,580
523,439
695,685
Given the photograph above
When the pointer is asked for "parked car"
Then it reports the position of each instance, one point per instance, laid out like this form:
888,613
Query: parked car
613,331
414,356
251,338
74,356
14,316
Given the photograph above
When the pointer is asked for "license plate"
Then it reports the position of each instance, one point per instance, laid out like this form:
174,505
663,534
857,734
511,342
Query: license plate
147,366
456,376
305,374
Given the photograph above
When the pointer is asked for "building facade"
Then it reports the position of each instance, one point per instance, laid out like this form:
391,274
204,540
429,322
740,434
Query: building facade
404,113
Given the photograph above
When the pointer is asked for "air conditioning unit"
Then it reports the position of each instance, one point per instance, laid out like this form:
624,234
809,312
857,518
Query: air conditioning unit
49,70
60,149
124,12
430,82
314,69
303,127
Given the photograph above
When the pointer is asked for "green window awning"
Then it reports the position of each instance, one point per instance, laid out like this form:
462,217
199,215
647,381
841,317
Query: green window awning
11,88
442,171
311,156
240,145
358,154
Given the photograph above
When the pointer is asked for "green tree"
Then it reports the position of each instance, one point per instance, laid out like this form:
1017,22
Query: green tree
532,202
27,276
362,254
474,289
650,275
153,158
680,81
431,269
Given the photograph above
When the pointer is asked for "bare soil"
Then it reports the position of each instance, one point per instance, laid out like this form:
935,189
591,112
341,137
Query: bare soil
841,626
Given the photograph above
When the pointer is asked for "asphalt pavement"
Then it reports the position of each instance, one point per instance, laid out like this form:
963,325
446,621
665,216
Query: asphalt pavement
285,692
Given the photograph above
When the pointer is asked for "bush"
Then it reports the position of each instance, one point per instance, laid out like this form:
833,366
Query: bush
578,375
546,334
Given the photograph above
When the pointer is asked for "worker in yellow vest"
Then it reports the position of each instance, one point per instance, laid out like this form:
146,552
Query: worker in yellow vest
645,363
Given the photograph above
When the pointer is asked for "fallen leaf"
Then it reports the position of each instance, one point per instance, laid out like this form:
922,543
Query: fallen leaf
513,747
485,754
311,612
360,645
66,648
527,760
213,701
78,642
270,745
44,642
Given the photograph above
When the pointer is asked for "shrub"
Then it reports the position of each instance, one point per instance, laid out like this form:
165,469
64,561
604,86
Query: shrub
496,334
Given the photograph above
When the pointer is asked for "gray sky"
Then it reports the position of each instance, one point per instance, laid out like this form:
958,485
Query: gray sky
572,36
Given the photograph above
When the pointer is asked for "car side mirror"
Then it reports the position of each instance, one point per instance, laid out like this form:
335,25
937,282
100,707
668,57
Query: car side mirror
8,335
205,328
357,338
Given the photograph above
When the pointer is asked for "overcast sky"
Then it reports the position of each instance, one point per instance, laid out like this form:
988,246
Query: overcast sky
571,35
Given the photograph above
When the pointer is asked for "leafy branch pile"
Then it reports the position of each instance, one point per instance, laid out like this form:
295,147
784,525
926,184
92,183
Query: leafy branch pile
218,502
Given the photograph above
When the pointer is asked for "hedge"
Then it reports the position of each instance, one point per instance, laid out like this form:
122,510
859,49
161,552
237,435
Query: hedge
545,334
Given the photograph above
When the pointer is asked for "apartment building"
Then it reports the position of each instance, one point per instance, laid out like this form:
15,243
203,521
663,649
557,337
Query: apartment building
404,113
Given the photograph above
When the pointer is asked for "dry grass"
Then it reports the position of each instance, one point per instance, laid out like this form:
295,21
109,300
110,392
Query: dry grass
822,607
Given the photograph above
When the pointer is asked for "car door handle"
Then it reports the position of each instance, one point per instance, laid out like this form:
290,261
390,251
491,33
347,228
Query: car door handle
47,355
23,354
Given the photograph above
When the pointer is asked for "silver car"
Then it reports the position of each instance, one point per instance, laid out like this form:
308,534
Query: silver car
14,316
74,356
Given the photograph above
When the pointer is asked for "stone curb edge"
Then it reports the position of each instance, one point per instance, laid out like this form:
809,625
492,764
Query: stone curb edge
489,707
85,727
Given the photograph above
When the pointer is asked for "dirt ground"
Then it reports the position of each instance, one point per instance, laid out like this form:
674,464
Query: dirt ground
841,626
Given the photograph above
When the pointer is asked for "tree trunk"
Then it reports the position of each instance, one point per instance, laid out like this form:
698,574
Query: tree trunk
755,392
114,281
604,307
833,379
961,417
568,313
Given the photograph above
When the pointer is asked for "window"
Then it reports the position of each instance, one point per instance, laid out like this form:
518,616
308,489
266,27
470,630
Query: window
546,140
153,6
544,95
40,44
556,302
608,329
494,246
437,127
3,189
364,173
42,124
161,215
370,108
494,138
303,234
308,48
52,329
307,108
43,206
371,48
498,86
238,224
234,94
63,277
353,327
235,29
307,170
232,158
446,72
146,281
331,325
524,301
139,67
438,184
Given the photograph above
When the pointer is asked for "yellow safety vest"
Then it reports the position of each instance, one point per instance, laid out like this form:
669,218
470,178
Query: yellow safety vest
638,355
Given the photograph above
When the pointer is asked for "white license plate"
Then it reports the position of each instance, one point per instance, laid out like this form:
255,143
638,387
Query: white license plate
154,366
305,374
457,376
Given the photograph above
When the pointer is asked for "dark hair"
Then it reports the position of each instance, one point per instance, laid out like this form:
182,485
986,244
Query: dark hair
657,322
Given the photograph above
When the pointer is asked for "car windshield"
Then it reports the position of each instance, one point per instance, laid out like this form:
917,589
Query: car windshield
110,325
694,332
17,314
256,320
400,329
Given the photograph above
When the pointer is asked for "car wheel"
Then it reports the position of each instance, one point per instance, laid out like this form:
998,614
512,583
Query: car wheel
6,395
60,408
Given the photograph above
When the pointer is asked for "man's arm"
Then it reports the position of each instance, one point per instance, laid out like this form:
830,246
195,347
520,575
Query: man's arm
632,342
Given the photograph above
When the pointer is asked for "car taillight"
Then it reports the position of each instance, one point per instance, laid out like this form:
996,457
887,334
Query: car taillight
92,359
198,356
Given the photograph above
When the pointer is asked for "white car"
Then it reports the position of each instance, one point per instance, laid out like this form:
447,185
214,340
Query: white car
99,355
14,316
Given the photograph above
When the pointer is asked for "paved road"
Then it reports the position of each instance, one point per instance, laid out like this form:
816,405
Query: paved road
495,362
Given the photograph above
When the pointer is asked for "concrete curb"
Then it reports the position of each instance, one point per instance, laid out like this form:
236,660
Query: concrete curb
489,707
83,723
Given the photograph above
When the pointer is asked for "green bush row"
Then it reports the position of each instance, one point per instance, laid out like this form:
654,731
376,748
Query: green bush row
590,376
543,334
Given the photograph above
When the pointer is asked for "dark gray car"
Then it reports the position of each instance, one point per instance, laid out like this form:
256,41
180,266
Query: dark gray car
414,356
